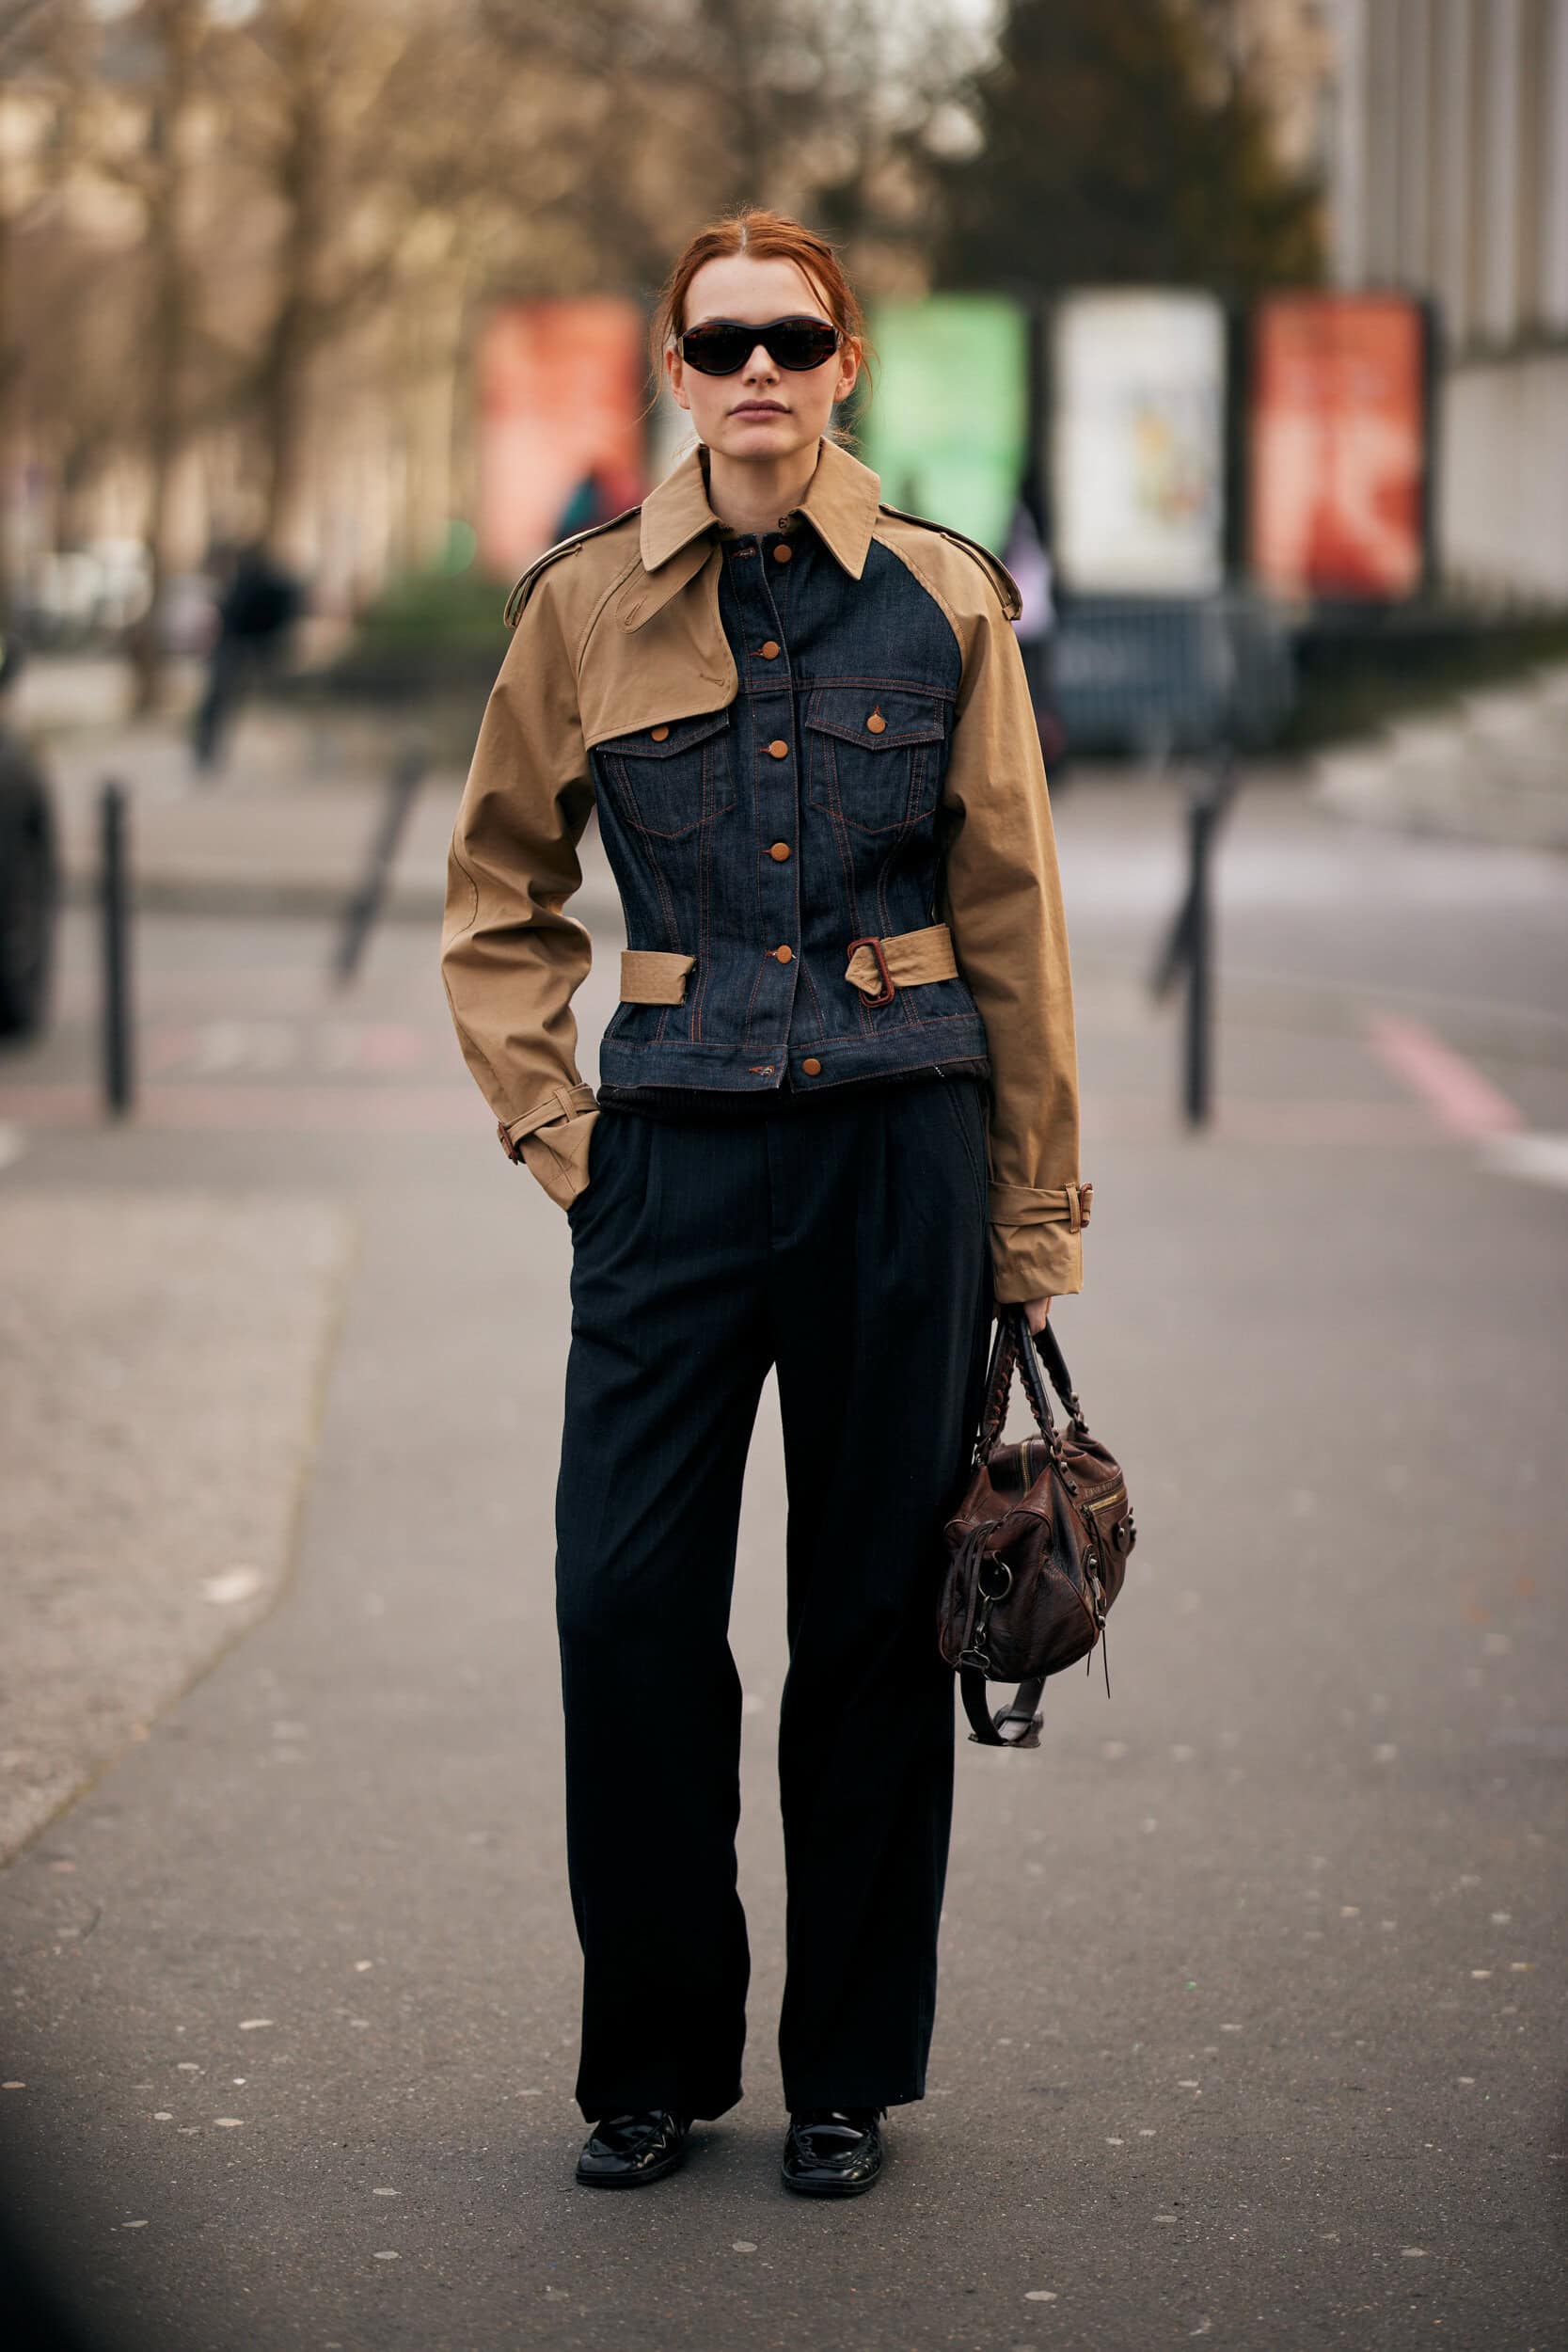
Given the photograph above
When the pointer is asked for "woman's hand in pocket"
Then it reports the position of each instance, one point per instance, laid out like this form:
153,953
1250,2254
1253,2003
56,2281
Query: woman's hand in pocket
558,1155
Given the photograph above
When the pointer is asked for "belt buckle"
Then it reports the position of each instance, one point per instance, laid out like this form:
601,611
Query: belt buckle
875,946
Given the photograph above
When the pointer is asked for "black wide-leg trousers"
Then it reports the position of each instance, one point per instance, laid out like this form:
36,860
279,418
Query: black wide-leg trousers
848,1246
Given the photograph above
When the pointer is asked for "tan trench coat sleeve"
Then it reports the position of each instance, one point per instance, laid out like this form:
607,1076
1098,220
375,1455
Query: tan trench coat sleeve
1009,935
511,959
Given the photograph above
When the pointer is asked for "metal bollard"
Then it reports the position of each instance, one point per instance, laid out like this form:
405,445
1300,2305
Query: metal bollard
359,915
1189,946
115,906
1197,1058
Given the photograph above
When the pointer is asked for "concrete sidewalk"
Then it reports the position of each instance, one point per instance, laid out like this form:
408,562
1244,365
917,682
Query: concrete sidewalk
161,1363
1492,768
286,828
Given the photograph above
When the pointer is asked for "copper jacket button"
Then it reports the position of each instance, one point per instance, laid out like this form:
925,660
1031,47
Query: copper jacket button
770,651
811,1065
877,724
780,850
779,749
785,954
782,554
659,734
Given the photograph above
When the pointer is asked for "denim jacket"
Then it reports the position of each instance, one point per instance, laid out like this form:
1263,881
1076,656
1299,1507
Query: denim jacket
820,786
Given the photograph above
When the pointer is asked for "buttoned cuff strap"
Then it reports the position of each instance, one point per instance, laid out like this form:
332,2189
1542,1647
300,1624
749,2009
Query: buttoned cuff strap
1028,1204
565,1102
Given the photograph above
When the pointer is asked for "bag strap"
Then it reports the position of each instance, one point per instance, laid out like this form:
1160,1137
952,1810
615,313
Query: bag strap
992,1731
1050,1347
1018,1725
999,1381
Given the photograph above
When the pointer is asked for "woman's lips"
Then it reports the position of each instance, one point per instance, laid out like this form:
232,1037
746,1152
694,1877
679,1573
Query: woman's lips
759,408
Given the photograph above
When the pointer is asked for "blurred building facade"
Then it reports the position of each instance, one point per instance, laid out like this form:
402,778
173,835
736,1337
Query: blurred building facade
1449,178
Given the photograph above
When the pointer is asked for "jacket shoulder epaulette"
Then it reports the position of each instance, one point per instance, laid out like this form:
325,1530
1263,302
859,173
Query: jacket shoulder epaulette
1002,579
524,586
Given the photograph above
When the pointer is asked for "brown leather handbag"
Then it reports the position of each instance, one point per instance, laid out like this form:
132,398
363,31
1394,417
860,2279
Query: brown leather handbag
1038,1547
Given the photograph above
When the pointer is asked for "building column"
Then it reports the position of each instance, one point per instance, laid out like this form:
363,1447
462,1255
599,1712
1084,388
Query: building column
1502,60
1349,145
1554,172
1414,101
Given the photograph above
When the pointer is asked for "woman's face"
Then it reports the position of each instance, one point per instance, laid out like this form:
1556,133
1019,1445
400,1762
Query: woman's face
763,410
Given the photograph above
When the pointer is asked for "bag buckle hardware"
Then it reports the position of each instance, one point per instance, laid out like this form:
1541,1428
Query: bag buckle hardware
875,946
994,1579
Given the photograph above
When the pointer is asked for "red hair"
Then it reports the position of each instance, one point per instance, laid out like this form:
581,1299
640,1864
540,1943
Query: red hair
767,237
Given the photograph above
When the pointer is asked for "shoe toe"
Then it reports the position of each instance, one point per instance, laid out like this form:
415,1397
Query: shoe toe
834,2155
622,2151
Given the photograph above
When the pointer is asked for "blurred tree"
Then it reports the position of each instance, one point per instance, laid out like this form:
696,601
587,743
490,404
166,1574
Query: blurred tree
1108,149
43,52
253,306
813,105
159,173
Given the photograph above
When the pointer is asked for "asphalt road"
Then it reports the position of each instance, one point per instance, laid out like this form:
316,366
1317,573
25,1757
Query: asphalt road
1253,2002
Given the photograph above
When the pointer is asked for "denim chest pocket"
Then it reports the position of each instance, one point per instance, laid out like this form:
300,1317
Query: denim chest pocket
672,777
874,754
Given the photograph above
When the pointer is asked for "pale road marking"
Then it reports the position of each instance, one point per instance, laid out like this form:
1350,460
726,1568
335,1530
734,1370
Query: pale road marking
13,1142
1460,1098
1538,1159
311,1048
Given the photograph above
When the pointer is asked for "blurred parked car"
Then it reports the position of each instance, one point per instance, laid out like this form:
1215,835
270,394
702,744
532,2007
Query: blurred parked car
29,884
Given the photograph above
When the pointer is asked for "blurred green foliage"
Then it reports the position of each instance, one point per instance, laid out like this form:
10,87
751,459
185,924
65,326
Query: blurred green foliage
1119,148
425,607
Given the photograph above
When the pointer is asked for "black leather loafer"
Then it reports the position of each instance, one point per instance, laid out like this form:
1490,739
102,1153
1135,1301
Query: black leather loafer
833,2151
624,2150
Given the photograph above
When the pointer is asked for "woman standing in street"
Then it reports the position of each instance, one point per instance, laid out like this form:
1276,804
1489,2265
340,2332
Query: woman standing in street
836,1125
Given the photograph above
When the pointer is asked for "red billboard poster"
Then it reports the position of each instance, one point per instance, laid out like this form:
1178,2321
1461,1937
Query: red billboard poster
1338,445
562,388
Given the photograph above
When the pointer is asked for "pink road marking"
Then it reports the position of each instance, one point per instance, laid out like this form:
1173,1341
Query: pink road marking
1454,1090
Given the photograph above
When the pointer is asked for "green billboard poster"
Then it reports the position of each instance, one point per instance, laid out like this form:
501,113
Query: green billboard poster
947,428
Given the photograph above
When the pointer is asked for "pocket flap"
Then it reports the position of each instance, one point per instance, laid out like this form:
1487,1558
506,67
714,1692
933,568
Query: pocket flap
878,718
666,737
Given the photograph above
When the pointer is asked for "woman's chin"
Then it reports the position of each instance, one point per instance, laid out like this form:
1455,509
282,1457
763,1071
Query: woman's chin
760,437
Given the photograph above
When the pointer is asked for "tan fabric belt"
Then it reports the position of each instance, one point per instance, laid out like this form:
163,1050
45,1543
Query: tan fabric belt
650,976
911,959
1028,1205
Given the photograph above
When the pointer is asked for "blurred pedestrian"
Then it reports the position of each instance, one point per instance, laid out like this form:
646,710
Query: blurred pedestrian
814,1148
600,493
254,615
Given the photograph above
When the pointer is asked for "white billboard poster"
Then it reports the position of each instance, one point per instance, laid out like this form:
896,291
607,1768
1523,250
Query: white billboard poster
1136,427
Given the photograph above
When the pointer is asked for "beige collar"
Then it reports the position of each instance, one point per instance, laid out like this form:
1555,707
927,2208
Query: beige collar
840,504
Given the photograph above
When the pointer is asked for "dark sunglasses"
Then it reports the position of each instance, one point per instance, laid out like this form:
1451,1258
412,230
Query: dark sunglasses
720,347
